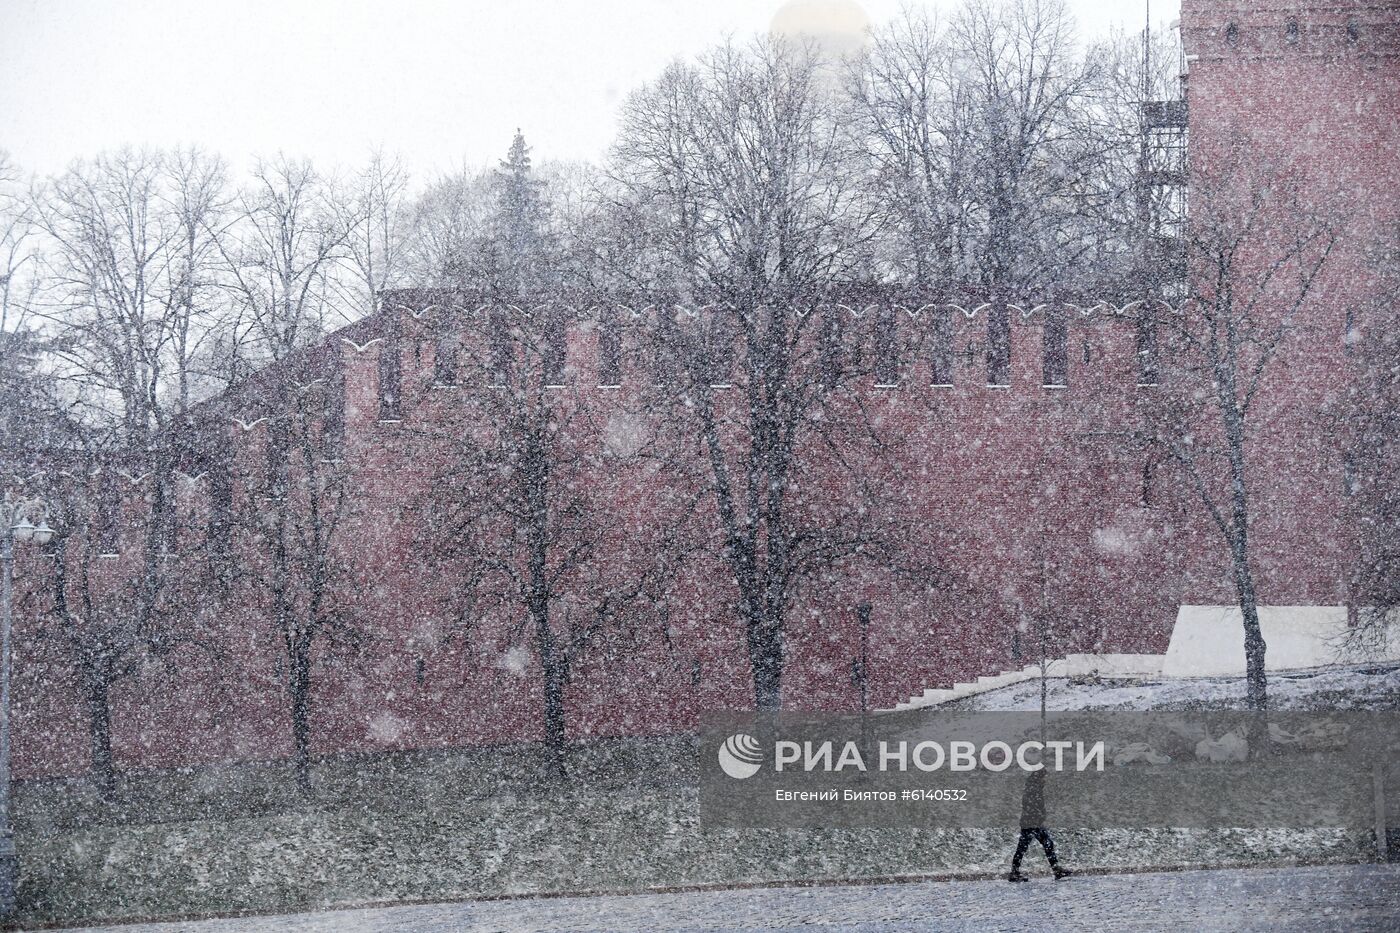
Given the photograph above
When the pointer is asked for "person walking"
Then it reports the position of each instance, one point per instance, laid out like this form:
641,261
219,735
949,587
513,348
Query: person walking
1033,828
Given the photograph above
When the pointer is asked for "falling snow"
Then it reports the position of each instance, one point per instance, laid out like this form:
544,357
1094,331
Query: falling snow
372,538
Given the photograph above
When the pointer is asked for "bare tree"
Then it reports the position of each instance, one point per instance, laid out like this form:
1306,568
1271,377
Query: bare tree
982,137
915,111
1367,420
1255,246
281,256
1027,89
294,512
741,171
530,521
108,272
24,388
448,221
745,167
96,637
196,197
280,251
526,510
374,214
130,281
119,275
18,240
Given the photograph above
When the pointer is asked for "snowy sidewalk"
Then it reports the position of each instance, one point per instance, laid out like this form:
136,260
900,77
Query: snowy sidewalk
1344,897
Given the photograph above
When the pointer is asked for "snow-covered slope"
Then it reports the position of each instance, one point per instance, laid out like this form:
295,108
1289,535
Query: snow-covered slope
1362,686
1117,666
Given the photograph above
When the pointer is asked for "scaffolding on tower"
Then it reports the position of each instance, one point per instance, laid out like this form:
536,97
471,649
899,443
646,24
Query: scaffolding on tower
1161,183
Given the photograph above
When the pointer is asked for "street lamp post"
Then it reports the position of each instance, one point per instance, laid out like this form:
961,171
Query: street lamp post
15,525
861,671
860,674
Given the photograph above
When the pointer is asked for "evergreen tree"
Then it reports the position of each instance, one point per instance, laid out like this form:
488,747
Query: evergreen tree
520,247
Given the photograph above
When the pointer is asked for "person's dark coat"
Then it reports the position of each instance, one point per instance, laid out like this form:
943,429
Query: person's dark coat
1033,801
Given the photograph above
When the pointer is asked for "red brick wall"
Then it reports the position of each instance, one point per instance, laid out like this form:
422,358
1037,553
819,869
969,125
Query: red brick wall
1324,110
985,469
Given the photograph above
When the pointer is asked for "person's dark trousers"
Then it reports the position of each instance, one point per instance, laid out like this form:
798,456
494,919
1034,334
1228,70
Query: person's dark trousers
1039,834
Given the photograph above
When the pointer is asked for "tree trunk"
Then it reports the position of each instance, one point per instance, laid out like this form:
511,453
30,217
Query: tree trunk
766,659
299,684
554,678
156,543
104,775
553,659
1256,679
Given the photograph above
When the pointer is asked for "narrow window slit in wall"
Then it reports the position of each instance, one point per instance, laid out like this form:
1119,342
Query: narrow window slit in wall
610,350
108,513
999,347
941,355
886,349
390,377
276,442
1055,348
669,356
555,351
723,333
218,534
501,351
1147,349
333,414
831,336
445,360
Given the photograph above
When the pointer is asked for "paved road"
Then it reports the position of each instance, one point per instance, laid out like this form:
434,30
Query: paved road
1350,898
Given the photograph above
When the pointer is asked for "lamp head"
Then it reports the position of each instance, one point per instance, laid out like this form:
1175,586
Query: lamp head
22,530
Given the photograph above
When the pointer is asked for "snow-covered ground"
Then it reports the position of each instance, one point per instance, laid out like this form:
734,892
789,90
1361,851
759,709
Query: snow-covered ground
450,827
1352,898
1357,686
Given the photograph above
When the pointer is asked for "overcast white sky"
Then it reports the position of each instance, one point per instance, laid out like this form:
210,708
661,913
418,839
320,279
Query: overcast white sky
439,82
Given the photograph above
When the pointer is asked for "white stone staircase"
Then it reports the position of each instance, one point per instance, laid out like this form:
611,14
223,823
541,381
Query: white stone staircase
1115,666
1206,641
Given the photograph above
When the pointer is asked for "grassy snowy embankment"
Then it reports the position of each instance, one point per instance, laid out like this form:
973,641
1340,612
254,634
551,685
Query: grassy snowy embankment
451,825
